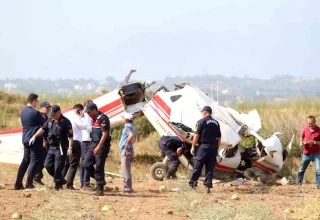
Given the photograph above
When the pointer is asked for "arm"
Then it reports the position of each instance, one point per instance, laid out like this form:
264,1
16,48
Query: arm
89,125
195,140
70,134
39,133
219,136
302,138
105,128
80,124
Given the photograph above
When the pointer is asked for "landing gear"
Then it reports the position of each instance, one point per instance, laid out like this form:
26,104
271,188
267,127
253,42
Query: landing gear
159,171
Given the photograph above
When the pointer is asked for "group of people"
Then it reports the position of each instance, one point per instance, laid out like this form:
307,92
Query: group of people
58,143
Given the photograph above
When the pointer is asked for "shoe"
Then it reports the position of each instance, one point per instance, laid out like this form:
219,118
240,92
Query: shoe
30,187
71,188
39,182
167,176
18,187
127,191
63,181
87,188
207,189
57,187
99,190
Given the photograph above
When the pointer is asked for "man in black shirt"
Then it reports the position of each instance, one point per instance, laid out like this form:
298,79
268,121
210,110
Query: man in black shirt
45,108
59,130
31,121
208,135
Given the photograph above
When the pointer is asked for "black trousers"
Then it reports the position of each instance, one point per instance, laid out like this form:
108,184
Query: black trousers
172,155
205,156
31,160
72,163
54,163
39,174
98,160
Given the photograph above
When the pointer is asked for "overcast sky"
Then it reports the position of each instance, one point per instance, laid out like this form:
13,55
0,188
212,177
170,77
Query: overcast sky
100,38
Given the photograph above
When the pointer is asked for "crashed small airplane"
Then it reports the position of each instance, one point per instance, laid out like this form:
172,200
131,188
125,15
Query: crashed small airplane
167,109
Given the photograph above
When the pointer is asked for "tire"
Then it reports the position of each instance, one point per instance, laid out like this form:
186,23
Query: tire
159,171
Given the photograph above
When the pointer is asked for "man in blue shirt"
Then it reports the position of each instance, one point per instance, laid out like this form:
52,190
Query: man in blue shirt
128,137
31,121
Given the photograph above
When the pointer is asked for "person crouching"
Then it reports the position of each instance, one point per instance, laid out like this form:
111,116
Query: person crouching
128,137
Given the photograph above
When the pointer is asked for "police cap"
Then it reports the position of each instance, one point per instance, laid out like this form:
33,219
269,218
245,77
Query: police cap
54,110
45,105
207,109
91,106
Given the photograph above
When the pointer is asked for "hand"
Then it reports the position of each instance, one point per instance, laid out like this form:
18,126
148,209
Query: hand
96,151
69,152
44,144
192,151
127,147
179,151
32,140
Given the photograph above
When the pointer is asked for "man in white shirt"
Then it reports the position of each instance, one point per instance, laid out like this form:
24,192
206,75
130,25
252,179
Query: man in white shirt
85,141
74,153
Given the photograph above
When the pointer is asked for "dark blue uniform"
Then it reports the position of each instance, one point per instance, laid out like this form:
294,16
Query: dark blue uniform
39,174
206,152
31,121
169,146
58,134
100,124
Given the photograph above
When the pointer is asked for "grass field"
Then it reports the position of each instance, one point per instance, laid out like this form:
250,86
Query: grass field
255,202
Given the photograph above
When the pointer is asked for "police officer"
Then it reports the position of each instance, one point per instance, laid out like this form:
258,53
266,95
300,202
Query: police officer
99,148
208,136
45,108
172,147
59,129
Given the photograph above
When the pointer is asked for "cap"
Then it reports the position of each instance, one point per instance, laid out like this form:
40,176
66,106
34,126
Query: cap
91,106
54,110
127,115
45,105
206,109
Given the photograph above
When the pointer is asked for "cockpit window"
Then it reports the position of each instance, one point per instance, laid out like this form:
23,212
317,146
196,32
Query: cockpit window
175,97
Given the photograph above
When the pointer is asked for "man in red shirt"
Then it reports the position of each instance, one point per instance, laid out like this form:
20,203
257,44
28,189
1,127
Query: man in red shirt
310,140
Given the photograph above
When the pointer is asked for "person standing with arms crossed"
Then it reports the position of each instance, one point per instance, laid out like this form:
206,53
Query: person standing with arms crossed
45,108
31,121
208,135
310,141
85,142
99,148
59,130
128,137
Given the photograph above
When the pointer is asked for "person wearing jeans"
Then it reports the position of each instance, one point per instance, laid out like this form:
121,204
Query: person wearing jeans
310,140
128,137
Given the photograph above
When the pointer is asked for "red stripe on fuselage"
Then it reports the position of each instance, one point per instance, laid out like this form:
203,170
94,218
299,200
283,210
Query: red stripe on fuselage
222,167
164,107
181,137
111,106
261,166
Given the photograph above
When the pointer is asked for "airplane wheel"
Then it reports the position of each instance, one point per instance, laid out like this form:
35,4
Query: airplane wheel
254,173
159,171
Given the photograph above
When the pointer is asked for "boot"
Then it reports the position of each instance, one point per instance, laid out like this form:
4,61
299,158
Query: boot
99,190
167,176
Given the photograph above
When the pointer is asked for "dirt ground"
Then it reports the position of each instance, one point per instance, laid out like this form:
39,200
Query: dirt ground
145,203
